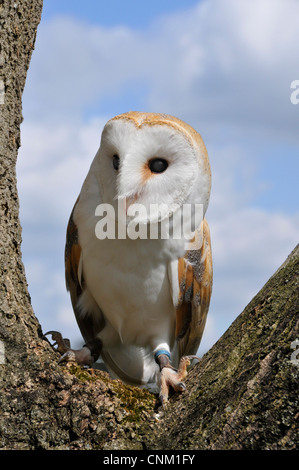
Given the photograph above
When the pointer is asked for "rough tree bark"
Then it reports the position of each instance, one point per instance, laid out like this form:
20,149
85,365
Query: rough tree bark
18,327
242,395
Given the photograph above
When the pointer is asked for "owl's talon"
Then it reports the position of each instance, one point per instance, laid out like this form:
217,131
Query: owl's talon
180,387
68,356
170,378
80,356
63,344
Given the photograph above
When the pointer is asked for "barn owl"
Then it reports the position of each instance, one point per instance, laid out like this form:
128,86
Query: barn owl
141,302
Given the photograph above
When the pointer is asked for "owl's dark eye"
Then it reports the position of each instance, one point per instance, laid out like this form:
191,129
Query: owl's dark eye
157,165
116,162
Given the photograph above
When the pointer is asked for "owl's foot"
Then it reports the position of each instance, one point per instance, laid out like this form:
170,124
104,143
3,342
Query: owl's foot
85,356
169,377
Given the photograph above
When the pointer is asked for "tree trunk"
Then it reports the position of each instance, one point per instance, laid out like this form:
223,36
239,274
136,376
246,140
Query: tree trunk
242,395
19,331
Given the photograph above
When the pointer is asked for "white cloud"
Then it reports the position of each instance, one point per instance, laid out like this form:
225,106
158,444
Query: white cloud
230,63
77,64
53,162
225,67
221,62
248,246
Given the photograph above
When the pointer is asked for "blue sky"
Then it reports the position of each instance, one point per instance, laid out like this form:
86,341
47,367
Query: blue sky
223,66
131,13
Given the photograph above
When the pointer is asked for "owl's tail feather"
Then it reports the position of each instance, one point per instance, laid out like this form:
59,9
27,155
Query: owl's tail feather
133,365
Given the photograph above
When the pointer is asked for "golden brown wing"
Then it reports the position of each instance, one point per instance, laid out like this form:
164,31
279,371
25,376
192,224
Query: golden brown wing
89,323
195,273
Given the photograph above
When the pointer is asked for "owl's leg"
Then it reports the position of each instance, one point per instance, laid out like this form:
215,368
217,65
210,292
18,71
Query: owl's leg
169,377
87,355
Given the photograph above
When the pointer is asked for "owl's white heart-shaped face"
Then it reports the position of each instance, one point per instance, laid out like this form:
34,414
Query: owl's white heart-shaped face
153,163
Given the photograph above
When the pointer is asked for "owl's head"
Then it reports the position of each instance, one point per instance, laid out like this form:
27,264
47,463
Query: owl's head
153,160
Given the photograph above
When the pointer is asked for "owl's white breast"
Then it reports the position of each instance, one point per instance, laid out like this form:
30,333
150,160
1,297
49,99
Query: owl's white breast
127,278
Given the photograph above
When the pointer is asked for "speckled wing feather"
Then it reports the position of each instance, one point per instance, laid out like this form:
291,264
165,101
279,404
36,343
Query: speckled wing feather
195,274
89,324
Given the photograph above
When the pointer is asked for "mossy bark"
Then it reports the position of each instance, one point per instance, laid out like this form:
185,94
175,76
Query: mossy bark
242,395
